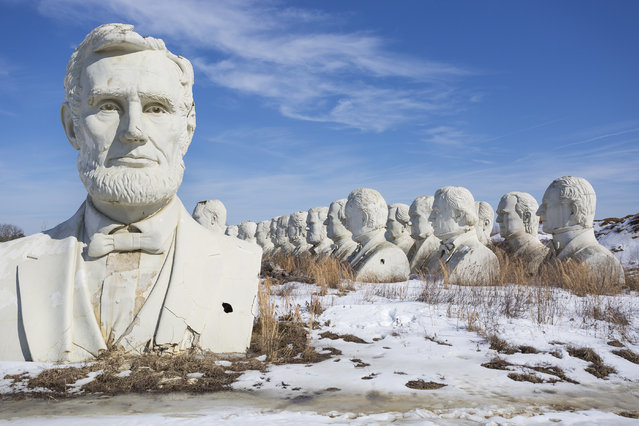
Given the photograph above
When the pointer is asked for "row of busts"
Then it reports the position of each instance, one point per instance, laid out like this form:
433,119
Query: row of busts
448,234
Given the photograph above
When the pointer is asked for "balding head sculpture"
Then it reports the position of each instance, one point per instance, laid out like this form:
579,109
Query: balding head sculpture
465,258
398,226
211,214
316,232
567,212
377,259
426,244
336,230
518,223
79,289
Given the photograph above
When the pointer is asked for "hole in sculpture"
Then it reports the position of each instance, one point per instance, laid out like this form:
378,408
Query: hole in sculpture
381,261
227,307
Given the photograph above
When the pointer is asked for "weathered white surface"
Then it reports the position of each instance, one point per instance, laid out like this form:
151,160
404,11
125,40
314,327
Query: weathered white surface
464,257
518,225
232,231
336,230
485,219
297,233
377,259
398,226
426,244
316,233
263,236
283,244
211,214
567,212
131,269
246,231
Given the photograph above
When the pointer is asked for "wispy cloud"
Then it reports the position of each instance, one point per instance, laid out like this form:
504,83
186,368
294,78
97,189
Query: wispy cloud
292,58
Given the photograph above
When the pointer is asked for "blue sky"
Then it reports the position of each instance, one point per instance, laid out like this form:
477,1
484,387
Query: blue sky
300,102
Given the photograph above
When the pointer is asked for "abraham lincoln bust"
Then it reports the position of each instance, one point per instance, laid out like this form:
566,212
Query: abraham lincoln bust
131,270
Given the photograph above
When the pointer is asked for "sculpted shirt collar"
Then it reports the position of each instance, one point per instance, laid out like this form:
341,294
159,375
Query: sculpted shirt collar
584,239
451,245
161,224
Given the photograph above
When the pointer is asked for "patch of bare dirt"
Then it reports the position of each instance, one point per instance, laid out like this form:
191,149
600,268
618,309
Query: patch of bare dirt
345,337
423,385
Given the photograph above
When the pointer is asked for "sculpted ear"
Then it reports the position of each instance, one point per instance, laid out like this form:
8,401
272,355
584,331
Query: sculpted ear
190,128
67,123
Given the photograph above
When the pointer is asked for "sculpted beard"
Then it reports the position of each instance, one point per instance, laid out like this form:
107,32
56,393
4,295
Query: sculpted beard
127,185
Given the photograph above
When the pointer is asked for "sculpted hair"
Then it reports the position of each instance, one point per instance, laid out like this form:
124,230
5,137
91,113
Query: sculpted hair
298,219
340,205
264,225
110,38
282,221
248,228
215,208
372,204
485,211
578,191
422,205
526,205
401,212
322,213
461,200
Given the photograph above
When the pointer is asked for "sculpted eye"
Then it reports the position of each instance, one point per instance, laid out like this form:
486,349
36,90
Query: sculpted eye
155,109
109,106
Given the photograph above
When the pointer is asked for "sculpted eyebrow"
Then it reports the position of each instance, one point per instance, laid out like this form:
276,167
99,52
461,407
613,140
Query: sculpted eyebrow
97,94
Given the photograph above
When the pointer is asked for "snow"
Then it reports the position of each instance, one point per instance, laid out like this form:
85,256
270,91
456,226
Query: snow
443,341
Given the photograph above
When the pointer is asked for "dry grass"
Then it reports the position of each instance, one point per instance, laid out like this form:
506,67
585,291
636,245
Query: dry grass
423,385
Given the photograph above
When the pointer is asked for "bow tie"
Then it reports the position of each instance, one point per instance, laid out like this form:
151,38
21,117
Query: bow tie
103,244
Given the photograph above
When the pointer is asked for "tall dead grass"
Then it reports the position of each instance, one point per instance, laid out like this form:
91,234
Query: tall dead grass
324,271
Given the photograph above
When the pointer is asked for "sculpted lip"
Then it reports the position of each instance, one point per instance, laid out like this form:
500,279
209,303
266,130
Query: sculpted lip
133,161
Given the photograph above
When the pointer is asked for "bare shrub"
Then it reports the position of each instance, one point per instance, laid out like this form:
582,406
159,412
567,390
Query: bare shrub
10,232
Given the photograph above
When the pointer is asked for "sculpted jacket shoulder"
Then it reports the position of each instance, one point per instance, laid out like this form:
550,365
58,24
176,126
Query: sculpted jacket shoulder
45,309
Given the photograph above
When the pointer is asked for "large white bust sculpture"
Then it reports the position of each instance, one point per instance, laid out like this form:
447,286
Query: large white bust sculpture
246,231
297,233
485,221
377,259
567,212
211,214
263,236
343,244
282,243
131,269
518,225
398,226
426,244
464,258
232,231
316,233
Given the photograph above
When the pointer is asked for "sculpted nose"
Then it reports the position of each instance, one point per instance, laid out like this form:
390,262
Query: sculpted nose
132,122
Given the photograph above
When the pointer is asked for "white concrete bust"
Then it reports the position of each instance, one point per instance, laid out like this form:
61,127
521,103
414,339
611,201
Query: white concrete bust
131,269
246,231
398,226
343,244
567,212
263,236
211,214
426,244
232,231
462,256
283,244
316,231
518,225
297,233
484,227
377,259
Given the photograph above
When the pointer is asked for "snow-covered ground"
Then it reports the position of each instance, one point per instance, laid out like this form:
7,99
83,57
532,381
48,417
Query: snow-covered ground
412,331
